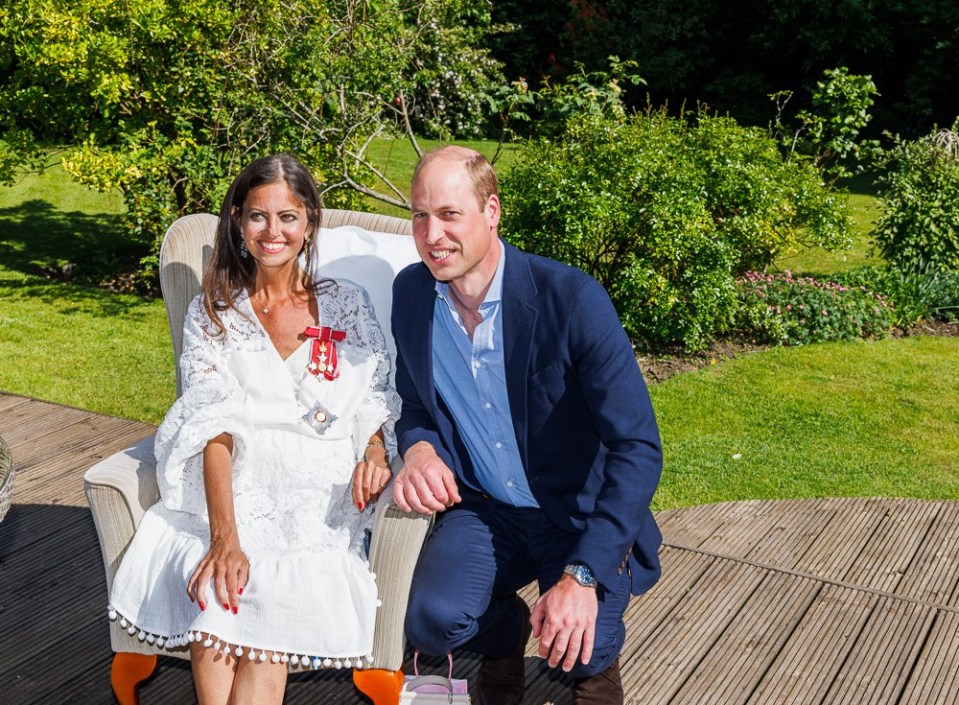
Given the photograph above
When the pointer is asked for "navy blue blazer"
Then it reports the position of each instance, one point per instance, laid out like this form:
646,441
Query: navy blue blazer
582,415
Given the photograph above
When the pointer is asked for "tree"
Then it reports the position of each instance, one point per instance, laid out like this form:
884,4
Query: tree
165,100
730,55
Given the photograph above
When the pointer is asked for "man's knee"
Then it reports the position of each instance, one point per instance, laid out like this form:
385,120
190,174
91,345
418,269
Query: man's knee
436,626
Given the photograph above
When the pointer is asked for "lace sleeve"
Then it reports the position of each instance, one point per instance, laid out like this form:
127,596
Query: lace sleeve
381,405
212,403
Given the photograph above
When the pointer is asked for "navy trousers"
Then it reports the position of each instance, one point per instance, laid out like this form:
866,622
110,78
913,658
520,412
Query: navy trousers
479,554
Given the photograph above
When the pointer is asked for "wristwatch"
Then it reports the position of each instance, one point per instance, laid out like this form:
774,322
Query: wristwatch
581,574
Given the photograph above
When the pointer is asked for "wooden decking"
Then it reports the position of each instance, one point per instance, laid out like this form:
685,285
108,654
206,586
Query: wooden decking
850,601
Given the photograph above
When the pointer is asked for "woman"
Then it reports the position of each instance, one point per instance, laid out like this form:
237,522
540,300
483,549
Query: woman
268,462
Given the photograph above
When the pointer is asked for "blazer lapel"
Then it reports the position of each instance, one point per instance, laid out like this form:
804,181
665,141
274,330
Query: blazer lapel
519,323
419,323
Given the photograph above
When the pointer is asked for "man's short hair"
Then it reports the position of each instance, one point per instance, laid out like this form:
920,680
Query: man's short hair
481,172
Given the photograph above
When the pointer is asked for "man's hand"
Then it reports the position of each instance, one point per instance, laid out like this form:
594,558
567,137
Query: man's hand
425,484
564,621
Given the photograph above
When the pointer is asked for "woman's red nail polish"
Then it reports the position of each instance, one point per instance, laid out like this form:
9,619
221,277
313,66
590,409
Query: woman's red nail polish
359,505
202,606
239,590
235,610
226,606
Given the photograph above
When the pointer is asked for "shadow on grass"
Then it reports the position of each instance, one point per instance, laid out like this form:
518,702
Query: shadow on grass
77,297
864,184
37,239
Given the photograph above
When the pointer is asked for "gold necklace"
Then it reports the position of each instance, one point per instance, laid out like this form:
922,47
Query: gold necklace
263,307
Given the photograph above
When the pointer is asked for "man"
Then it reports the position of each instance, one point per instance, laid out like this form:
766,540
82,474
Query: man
527,424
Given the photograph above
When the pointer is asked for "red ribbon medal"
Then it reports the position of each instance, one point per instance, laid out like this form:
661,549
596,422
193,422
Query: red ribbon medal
323,351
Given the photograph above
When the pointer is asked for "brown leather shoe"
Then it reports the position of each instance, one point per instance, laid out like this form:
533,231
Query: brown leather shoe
604,688
502,681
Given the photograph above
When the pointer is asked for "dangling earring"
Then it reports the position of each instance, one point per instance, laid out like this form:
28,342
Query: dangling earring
244,253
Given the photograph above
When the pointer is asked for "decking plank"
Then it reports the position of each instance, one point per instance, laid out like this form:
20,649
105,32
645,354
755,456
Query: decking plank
876,566
79,434
805,669
738,660
741,529
933,574
26,426
58,478
795,529
27,524
683,640
935,678
647,613
842,539
878,668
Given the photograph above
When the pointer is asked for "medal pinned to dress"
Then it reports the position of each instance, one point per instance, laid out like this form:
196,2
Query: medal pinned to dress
323,351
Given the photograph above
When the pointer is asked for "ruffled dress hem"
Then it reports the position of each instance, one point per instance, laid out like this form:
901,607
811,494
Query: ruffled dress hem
173,642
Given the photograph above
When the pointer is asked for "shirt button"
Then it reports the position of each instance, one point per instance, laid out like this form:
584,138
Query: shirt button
499,445
509,484
488,405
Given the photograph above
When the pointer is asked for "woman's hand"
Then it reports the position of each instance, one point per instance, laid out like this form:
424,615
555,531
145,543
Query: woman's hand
229,568
370,479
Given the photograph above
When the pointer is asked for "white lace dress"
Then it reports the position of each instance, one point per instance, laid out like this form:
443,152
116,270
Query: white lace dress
297,438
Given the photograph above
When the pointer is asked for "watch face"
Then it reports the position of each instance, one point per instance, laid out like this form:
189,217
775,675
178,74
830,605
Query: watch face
581,574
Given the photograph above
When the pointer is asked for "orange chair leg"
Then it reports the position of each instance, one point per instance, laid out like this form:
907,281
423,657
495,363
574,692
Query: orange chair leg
380,686
126,674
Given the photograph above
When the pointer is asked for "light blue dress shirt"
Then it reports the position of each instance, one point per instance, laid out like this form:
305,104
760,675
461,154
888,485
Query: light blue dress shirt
470,376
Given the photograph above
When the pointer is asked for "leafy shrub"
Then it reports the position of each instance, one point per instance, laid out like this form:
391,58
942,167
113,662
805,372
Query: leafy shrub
919,203
664,212
763,205
786,310
915,295
829,133
548,109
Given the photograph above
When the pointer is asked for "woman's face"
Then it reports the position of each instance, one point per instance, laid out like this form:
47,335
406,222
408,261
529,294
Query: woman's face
275,226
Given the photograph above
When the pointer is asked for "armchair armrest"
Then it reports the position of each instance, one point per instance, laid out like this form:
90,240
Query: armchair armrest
119,490
398,538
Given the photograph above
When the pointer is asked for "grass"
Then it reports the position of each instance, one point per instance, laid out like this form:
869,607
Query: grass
863,211
85,347
845,419
828,420
72,343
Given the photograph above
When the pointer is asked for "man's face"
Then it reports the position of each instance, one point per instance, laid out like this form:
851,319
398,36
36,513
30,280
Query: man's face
455,237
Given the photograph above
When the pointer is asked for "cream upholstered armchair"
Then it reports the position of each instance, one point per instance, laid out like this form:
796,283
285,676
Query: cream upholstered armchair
365,248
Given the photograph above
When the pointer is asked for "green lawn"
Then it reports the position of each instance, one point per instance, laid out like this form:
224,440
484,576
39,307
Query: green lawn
851,419
864,210
827,420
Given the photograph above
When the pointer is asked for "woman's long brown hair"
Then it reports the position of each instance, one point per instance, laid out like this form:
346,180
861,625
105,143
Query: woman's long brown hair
227,273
